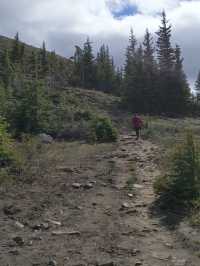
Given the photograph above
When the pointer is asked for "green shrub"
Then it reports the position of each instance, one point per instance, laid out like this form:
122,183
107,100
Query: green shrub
182,183
103,130
6,145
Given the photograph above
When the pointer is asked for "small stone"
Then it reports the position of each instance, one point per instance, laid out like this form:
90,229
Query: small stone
37,227
111,263
137,186
11,210
169,245
138,263
30,243
130,195
135,252
55,222
19,240
65,169
58,233
45,138
76,185
14,252
125,205
52,262
19,225
45,226
88,186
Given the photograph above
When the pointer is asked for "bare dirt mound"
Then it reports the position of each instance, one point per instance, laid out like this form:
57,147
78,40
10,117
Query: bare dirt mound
93,211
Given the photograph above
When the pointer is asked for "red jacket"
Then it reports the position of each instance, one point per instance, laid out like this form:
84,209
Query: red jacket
137,122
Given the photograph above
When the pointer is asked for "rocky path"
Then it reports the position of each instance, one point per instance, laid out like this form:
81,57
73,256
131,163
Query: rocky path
155,244
97,215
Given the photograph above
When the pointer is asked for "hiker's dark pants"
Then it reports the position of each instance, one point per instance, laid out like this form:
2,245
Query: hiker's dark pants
137,131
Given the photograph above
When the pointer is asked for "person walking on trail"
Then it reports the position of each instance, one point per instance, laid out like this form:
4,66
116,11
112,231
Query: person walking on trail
137,125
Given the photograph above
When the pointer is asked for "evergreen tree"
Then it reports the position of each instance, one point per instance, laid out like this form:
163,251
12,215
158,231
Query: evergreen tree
88,78
78,73
105,70
181,88
7,70
197,88
33,65
44,67
171,91
129,70
134,80
118,82
15,52
150,73
30,111
130,56
164,49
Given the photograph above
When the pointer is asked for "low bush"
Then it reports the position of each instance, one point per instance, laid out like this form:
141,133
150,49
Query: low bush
182,182
102,130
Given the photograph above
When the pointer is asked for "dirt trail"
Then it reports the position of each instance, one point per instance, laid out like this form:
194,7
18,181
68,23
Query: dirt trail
109,223
156,243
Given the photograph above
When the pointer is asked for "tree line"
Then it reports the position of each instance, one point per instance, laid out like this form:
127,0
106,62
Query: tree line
152,80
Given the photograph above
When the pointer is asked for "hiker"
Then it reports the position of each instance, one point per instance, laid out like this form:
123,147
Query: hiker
137,124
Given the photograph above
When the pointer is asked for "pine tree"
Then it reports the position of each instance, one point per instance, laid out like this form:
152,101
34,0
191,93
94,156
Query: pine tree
118,82
150,73
134,80
30,113
197,88
78,73
15,52
164,49
105,70
130,55
33,65
166,59
129,70
88,78
44,67
7,70
181,88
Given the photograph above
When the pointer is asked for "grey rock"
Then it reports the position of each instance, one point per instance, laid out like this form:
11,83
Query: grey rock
88,185
45,138
111,263
76,185
138,263
19,225
52,262
125,205
14,252
11,210
19,240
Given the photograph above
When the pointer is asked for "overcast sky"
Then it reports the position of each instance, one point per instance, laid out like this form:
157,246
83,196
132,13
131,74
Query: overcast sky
66,23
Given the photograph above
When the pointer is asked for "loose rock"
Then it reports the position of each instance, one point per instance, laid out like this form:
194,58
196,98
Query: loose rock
19,225
45,138
88,185
76,185
52,263
138,263
19,240
11,210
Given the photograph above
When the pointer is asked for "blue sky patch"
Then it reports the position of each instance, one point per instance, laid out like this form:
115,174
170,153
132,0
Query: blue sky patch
128,10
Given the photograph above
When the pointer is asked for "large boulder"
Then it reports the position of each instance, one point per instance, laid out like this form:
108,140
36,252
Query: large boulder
45,138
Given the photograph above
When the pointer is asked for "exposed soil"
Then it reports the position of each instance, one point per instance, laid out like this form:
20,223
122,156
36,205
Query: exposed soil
105,218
